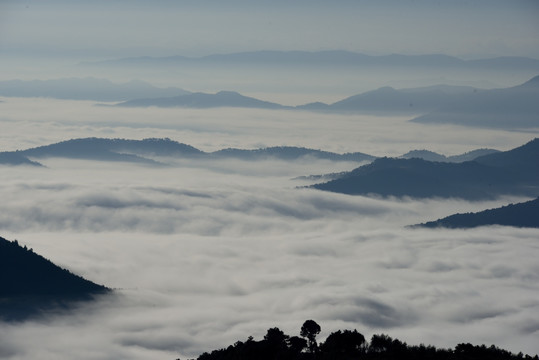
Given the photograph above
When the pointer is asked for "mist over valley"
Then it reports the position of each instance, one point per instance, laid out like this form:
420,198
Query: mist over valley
177,177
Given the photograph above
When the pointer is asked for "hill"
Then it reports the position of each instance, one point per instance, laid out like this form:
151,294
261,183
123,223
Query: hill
432,156
29,283
204,101
112,149
518,215
290,153
510,108
390,100
513,172
85,89
138,151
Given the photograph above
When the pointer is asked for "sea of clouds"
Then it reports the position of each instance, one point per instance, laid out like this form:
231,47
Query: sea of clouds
204,253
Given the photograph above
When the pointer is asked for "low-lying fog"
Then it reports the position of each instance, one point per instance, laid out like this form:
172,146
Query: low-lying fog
205,253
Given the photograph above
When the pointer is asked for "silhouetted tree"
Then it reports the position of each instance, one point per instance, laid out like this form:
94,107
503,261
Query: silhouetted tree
275,344
345,344
350,345
309,330
297,344
276,337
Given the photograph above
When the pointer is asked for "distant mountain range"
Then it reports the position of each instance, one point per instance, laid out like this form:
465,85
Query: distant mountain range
432,156
515,107
30,284
509,108
204,101
390,100
142,151
336,58
290,153
524,214
85,89
514,172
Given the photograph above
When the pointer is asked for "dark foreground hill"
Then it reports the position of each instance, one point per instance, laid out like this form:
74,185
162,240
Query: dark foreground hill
518,215
514,172
31,284
349,345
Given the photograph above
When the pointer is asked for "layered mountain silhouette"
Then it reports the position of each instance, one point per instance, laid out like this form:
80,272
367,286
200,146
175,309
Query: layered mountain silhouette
290,153
508,108
390,100
112,149
330,58
515,107
524,214
141,151
203,101
432,156
85,89
514,172
31,284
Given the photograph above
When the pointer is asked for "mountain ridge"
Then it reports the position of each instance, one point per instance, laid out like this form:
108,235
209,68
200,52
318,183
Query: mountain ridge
514,108
513,172
201,100
525,214
327,58
31,284
105,149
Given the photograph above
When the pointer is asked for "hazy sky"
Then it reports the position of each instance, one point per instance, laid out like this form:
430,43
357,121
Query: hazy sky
108,29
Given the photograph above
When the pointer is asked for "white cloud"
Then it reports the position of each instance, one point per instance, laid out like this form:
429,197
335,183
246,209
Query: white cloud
207,253
202,259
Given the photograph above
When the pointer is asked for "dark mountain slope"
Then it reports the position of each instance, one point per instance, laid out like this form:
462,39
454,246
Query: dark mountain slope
523,160
420,178
203,101
512,172
519,215
29,283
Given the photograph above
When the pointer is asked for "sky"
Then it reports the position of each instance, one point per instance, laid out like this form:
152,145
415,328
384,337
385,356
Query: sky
111,29
205,253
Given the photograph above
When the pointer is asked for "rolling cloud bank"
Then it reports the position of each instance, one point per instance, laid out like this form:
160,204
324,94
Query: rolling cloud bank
205,252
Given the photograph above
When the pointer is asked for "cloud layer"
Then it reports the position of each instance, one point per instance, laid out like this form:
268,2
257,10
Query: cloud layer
202,258
206,253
